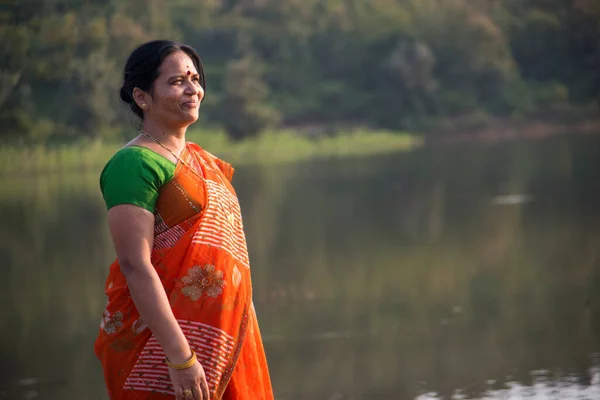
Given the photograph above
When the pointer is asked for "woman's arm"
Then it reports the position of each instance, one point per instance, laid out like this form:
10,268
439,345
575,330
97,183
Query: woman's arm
132,230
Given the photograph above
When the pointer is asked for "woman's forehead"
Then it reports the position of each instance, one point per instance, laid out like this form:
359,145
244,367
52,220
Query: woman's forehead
178,63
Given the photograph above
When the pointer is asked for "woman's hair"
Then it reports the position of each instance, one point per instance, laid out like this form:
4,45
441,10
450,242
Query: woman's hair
141,69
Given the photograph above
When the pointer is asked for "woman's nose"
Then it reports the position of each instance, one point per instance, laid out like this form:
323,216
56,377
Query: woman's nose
192,89
198,91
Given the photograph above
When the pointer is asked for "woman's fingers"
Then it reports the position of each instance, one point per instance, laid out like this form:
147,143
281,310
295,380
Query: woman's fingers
204,387
178,392
190,384
198,393
187,392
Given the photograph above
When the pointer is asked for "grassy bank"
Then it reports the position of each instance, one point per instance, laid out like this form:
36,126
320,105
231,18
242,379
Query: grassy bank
275,147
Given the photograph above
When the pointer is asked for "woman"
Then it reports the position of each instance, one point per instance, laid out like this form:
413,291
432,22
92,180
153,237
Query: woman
179,320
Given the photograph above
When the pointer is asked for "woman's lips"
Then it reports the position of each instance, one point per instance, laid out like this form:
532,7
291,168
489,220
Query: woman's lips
191,104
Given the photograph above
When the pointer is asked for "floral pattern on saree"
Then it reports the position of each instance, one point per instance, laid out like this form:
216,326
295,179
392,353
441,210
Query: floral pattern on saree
201,280
110,324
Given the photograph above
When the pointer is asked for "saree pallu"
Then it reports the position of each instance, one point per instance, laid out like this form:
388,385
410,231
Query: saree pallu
200,255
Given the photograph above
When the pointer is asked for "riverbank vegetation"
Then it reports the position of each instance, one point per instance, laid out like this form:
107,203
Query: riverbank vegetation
90,154
395,65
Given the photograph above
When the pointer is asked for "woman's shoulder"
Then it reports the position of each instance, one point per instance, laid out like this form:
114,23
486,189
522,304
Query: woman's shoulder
140,154
138,162
134,175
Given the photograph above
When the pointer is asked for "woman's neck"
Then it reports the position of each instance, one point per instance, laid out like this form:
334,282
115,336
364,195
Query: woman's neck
172,138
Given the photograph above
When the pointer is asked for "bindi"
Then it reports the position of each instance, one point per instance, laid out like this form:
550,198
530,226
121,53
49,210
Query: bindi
188,72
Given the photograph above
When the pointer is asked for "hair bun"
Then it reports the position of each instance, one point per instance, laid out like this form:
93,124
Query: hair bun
126,95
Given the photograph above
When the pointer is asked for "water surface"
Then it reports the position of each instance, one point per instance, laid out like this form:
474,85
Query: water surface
468,271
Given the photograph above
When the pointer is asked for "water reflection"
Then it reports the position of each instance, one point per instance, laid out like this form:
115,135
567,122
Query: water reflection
398,277
544,385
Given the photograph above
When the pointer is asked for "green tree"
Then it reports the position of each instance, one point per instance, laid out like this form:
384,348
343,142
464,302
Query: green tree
379,62
242,108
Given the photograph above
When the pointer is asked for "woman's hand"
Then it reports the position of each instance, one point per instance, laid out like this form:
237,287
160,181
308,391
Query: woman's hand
190,383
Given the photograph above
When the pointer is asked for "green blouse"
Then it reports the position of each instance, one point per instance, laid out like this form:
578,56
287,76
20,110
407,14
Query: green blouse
134,175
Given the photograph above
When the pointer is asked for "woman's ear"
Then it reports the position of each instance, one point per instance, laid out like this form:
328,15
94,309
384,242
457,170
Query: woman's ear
141,98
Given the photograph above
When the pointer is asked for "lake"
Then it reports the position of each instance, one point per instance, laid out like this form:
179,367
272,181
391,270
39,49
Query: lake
465,271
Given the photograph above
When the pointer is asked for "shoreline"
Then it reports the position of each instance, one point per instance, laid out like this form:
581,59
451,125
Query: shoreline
501,130
291,145
279,147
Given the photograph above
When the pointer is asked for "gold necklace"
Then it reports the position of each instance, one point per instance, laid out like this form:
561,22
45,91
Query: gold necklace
177,158
160,144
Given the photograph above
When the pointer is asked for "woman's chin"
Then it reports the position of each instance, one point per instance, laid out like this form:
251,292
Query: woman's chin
190,117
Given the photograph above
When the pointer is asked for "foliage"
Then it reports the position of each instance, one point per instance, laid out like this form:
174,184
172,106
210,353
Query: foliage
381,63
242,109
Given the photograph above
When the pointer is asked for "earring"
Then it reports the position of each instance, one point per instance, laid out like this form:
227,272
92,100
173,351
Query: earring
144,106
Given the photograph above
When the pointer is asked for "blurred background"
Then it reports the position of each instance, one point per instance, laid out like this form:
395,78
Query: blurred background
419,181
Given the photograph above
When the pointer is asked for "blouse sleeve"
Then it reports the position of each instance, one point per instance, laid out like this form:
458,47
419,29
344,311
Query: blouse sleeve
132,177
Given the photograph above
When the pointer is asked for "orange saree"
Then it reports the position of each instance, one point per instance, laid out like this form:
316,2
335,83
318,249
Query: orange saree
200,255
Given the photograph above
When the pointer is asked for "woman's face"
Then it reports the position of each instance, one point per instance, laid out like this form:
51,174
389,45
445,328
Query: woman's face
176,93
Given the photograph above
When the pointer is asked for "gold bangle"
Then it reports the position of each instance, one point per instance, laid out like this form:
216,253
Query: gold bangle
184,365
